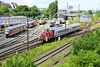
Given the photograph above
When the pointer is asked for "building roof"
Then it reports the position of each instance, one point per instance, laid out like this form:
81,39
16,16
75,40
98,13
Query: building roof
14,4
4,3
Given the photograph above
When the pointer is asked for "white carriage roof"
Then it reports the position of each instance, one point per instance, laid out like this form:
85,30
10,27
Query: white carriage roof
68,26
11,27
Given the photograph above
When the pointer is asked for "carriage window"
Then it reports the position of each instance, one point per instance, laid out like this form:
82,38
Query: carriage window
17,29
22,27
13,30
1,21
62,30
76,26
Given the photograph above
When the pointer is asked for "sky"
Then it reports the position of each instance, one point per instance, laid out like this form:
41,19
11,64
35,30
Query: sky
84,4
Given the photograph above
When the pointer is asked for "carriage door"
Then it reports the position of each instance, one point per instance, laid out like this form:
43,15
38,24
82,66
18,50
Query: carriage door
70,28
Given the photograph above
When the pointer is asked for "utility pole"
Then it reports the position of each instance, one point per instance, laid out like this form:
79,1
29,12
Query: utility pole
65,23
79,12
27,34
0,23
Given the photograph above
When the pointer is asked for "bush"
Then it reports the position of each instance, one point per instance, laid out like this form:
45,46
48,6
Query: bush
84,59
86,51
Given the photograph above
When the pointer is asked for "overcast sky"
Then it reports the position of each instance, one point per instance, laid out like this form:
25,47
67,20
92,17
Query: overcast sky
84,4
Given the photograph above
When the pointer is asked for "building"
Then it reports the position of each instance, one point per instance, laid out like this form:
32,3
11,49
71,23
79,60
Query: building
42,14
13,5
84,18
66,5
67,14
13,20
10,5
61,13
70,7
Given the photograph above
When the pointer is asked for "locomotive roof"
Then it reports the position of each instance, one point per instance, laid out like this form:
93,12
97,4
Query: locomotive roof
14,26
68,26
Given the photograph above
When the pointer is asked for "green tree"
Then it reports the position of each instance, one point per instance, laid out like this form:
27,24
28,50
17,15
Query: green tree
1,12
80,11
90,12
84,59
4,10
20,10
25,61
46,12
34,11
53,8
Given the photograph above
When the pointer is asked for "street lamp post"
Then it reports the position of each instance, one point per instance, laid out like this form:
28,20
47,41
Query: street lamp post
27,35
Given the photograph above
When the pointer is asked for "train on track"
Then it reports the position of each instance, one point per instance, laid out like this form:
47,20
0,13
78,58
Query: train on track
12,30
31,23
62,21
42,21
58,32
57,24
52,22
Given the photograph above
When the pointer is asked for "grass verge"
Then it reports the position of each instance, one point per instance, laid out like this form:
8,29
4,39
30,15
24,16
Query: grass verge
41,49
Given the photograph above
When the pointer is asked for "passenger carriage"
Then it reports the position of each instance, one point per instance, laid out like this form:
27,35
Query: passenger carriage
63,21
9,31
42,21
31,23
57,24
52,22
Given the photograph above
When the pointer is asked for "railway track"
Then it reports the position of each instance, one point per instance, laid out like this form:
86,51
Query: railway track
53,53
2,38
19,49
56,51
22,38
21,46
67,54
14,40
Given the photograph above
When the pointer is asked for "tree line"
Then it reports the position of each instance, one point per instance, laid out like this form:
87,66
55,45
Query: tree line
32,12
